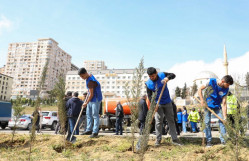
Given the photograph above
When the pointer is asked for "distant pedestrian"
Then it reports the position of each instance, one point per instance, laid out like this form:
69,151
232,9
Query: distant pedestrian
119,118
74,107
184,119
179,118
194,117
83,120
143,109
36,114
66,98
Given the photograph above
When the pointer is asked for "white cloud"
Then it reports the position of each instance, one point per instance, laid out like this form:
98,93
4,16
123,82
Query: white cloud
5,24
187,72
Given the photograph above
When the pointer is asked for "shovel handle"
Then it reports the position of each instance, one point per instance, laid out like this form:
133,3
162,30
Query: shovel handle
223,121
159,99
78,118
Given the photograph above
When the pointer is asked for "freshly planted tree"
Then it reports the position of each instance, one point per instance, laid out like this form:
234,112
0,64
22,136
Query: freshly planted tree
133,96
37,106
18,112
60,90
142,144
237,130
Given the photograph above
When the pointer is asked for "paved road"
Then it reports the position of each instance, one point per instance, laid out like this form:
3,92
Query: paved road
48,131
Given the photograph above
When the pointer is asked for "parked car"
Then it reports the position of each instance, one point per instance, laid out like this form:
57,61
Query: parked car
214,124
49,119
24,122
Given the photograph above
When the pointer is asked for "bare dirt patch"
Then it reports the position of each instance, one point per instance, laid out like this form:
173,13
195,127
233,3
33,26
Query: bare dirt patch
52,147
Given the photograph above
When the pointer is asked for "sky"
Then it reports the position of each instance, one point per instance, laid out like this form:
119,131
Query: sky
183,36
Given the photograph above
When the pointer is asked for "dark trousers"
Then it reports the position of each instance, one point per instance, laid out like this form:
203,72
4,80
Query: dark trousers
142,125
166,129
119,125
179,128
178,131
58,127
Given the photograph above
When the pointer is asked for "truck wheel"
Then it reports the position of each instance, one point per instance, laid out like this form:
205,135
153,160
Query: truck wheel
3,126
53,125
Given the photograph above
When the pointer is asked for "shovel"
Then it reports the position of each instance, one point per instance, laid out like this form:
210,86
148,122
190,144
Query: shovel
73,138
138,145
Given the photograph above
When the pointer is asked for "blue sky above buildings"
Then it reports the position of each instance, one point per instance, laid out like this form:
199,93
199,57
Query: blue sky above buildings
120,32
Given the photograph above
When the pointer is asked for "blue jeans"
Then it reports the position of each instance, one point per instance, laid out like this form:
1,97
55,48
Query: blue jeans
193,126
92,114
72,121
184,126
208,128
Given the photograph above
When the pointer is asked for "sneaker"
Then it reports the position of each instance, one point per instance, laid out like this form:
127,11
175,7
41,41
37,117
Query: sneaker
209,145
87,133
94,135
158,142
177,142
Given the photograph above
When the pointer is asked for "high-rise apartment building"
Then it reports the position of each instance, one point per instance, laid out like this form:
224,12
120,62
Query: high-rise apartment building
26,61
94,65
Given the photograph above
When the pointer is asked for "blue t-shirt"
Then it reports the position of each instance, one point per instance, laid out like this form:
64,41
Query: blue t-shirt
179,117
185,116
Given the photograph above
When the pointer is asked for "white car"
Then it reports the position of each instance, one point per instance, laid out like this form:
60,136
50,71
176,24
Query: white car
24,122
214,124
49,119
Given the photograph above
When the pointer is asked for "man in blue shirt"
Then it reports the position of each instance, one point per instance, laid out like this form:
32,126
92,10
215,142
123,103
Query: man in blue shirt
215,94
92,103
155,84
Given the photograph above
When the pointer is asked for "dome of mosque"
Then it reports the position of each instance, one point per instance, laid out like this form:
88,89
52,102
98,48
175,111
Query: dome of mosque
205,75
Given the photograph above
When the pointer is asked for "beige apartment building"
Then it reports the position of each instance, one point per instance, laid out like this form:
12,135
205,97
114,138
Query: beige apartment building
5,87
112,82
26,60
94,65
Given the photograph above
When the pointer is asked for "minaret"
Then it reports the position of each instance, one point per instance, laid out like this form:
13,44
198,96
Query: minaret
225,60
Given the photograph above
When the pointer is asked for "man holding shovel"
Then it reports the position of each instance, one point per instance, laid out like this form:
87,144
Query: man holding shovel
92,103
215,94
165,108
73,110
